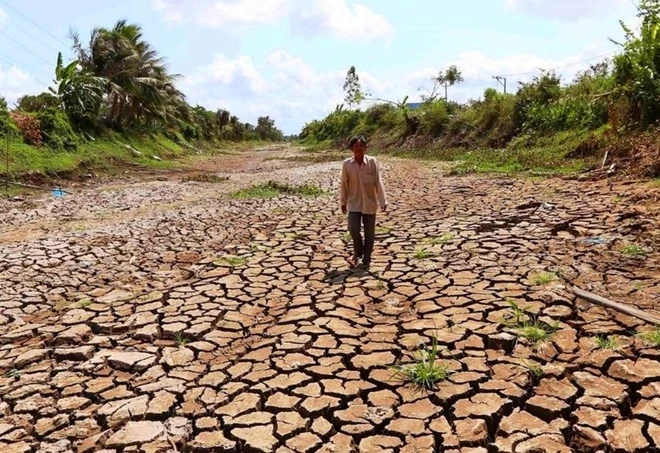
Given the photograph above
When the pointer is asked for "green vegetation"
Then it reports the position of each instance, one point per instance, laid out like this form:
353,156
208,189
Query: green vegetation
633,251
274,189
527,325
546,126
181,340
605,342
535,369
426,372
232,261
652,337
117,92
447,237
543,278
208,178
422,254
85,303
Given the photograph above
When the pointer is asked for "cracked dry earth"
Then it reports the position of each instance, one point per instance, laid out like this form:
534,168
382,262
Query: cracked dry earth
123,330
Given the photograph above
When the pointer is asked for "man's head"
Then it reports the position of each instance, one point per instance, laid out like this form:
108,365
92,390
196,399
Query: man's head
358,145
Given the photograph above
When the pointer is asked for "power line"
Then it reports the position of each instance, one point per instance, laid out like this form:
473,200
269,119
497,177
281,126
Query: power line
15,23
33,23
4,59
22,46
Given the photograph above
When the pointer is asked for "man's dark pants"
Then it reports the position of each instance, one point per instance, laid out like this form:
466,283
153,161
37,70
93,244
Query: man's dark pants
362,249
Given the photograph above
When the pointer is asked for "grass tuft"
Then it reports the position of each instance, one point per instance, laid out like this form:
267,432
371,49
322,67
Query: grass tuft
206,178
181,340
605,342
543,278
274,189
426,372
652,337
422,253
633,251
232,261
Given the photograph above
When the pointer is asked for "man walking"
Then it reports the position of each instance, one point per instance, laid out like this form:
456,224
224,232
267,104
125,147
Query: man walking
362,191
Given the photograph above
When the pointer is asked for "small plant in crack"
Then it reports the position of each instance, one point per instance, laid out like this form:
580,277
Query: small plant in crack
605,342
13,373
181,340
383,230
232,261
346,237
516,314
85,303
633,251
535,369
535,330
543,278
652,337
422,253
426,371
447,237
380,285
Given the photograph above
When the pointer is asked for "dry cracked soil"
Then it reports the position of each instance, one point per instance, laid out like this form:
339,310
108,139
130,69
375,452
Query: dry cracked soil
155,315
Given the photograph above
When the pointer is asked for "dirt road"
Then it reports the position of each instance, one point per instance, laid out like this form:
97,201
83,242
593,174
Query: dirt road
158,315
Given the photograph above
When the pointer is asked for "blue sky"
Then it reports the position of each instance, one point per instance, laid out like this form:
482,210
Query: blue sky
288,58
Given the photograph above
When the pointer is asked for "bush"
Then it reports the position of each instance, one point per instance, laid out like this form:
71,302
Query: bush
37,103
433,118
29,127
7,126
56,130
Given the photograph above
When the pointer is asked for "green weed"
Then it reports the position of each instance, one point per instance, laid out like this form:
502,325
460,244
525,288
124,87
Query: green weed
605,342
426,372
535,331
422,254
535,369
633,251
232,261
516,312
447,237
181,340
652,337
346,237
383,230
206,178
85,303
543,278
274,189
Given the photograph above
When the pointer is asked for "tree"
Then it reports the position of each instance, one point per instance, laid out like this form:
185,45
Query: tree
450,77
37,103
139,88
352,88
266,129
79,92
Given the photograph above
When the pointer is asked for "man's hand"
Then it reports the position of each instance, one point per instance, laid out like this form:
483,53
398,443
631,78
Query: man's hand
343,209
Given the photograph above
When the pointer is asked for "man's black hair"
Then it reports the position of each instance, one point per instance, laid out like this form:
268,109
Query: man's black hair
357,138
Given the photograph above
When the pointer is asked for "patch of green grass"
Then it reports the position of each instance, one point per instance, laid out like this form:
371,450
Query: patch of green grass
346,237
517,314
447,237
426,372
535,331
13,373
543,278
605,342
422,253
383,230
535,369
633,251
652,337
274,189
208,178
380,285
181,340
85,303
232,261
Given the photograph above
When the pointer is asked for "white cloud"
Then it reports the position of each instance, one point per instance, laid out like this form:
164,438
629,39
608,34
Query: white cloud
15,83
571,10
240,75
341,19
216,13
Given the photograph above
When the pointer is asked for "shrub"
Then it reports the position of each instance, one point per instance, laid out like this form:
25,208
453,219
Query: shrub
37,103
433,118
56,130
29,127
7,126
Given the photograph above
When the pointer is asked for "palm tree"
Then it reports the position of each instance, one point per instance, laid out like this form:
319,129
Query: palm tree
139,88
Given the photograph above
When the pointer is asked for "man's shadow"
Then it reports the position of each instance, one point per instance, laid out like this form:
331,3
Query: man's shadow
337,277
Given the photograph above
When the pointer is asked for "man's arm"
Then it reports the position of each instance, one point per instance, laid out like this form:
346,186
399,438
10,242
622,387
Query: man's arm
343,191
380,189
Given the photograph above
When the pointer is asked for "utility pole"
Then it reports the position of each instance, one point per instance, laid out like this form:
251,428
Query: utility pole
502,81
